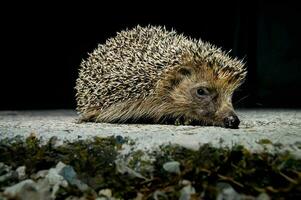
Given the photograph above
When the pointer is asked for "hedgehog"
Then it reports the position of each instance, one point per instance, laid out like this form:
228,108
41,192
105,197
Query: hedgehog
154,75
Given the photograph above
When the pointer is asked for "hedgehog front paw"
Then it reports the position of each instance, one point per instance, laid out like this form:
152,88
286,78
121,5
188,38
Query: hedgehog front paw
183,121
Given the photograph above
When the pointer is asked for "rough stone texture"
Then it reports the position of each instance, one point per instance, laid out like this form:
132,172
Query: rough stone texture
258,126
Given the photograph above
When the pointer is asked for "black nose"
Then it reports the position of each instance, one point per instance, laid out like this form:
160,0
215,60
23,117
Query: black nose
231,121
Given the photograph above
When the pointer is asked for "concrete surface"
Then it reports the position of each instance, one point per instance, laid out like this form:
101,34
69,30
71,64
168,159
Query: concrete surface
278,126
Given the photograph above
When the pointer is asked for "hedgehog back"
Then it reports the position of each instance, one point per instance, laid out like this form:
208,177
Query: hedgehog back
128,66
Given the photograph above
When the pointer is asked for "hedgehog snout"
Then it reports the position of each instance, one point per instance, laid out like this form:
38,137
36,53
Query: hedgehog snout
231,121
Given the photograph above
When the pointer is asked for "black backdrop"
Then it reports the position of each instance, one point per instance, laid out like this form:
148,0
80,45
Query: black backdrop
43,45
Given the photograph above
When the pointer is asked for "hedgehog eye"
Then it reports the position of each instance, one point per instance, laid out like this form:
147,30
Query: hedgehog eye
201,92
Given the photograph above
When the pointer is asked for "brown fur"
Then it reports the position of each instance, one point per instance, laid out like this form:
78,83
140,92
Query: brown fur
172,101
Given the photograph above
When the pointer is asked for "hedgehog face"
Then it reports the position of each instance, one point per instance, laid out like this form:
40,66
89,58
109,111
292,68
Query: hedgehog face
200,97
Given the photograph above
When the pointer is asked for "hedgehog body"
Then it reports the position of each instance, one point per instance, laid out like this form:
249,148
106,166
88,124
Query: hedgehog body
149,74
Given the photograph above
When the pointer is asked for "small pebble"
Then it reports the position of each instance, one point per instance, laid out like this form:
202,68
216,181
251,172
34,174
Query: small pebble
186,192
105,192
172,167
21,172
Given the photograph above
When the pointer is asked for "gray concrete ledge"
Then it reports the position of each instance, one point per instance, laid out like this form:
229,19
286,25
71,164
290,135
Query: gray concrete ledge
282,127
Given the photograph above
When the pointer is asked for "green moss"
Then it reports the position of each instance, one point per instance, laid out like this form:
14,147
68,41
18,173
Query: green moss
264,141
278,175
136,158
247,172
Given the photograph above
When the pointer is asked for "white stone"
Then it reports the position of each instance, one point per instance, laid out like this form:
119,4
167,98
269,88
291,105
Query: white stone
172,167
21,172
105,192
186,192
14,190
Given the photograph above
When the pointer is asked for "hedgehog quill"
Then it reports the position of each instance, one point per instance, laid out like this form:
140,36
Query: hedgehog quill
152,75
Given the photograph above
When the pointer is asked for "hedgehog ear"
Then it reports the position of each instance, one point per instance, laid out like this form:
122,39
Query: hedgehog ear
184,71
180,74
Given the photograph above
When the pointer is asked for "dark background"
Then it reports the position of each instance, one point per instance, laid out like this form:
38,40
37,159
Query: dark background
43,45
